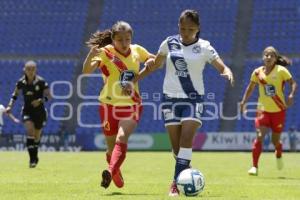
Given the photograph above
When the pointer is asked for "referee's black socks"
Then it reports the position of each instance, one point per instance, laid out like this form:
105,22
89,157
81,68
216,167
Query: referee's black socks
30,148
36,149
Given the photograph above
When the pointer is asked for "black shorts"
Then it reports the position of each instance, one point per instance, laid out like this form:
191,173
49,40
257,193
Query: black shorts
38,117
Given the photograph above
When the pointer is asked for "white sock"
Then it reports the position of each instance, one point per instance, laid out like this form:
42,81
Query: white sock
185,153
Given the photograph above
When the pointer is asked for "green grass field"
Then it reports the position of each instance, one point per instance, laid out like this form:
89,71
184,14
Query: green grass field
147,175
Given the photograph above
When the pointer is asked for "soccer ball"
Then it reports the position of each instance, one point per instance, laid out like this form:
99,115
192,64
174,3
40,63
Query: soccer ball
190,182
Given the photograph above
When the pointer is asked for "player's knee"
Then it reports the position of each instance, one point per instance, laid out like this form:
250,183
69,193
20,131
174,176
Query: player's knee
259,135
186,141
30,135
275,141
122,138
30,132
187,135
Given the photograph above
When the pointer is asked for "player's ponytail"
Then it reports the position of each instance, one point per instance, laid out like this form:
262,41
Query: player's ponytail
100,39
283,61
103,38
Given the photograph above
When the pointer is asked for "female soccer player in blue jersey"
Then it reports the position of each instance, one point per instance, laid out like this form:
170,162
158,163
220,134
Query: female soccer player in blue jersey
186,55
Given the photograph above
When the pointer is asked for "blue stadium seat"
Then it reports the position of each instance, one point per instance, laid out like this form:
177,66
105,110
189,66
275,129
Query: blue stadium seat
42,28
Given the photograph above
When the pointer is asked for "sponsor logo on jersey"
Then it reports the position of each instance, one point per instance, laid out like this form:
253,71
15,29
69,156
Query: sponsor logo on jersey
125,77
180,65
196,49
270,90
181,73
181,68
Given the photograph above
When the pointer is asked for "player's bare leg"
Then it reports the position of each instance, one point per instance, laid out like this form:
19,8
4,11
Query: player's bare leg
174,132
188,131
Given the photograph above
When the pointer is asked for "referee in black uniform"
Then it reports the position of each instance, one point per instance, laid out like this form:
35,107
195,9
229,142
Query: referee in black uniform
34,115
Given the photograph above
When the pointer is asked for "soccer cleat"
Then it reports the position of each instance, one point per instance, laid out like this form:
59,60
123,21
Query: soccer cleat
33,164
106,179
279,163
173,190
118,179
253,171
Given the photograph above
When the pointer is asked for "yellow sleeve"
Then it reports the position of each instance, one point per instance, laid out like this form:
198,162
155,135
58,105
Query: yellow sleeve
285,74
98,57
254,77
143,53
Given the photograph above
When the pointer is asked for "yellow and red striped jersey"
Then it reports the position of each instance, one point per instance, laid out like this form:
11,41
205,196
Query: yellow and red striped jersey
271,88
112,64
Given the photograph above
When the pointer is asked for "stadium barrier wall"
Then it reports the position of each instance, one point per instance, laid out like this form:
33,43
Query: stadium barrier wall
213,141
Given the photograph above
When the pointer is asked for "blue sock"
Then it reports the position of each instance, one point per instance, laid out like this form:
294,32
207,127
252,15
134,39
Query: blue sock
181,164
183,160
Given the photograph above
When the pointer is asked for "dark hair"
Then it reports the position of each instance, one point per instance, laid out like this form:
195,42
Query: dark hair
103,38
100,39
281,60
191,15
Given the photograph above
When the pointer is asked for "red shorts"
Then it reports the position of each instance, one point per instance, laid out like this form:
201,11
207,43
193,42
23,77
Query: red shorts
275,121
110,116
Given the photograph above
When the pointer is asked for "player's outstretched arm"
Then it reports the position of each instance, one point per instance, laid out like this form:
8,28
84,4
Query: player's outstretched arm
224,70
90,66
12,100
13,118
151,65
11,104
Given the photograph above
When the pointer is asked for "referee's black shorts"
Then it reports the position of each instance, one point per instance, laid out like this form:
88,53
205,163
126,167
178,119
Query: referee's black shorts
38,117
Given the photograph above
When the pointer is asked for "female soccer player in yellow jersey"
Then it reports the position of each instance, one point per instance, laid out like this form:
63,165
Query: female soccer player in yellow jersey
270,79
119,61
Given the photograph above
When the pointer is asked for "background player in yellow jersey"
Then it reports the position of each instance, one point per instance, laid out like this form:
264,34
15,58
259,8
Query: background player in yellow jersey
271,102
119,61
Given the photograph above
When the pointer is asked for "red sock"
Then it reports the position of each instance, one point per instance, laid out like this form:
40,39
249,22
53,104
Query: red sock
278,150
117,157
256,151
